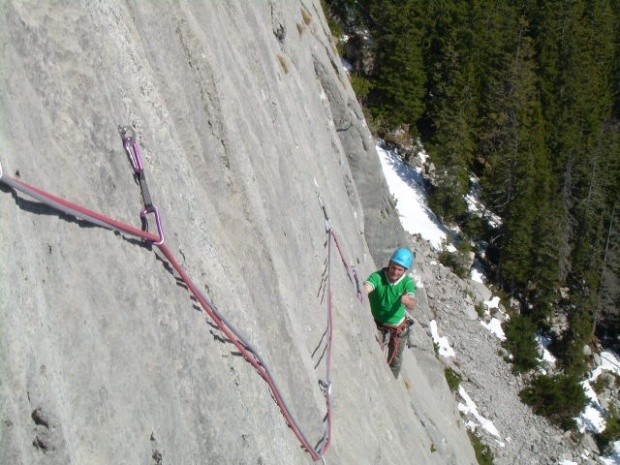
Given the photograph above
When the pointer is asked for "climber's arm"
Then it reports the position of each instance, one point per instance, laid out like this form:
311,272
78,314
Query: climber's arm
408,301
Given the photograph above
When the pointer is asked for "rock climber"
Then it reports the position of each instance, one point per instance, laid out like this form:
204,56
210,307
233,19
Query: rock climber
391,292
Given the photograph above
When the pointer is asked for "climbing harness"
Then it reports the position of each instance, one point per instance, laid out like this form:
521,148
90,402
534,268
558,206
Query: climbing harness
131,147
394,333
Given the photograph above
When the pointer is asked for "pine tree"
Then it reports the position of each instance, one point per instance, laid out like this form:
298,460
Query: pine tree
527,95
520,182
398,81
607,312
451,101
575,45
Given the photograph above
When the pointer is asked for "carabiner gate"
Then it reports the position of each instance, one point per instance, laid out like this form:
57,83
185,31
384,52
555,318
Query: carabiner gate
160,229
130,143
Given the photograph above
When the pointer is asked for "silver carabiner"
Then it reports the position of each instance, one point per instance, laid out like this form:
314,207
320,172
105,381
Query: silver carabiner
130,144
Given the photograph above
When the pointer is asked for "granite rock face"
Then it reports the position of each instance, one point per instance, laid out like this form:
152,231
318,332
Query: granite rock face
243,114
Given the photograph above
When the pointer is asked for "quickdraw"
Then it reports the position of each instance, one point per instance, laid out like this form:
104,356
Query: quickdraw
130,144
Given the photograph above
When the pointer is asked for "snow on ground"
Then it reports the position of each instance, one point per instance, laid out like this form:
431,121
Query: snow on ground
475,206
469,408
492,303
495,326
407,187
545,355
614,458
593,418
444,348
477,275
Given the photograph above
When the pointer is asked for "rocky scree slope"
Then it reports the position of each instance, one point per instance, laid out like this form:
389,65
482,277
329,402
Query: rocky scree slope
243,112
480,360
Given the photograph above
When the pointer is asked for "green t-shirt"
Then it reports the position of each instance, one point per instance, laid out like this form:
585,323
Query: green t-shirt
385,303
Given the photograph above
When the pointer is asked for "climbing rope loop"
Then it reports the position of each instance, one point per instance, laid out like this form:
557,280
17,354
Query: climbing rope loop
326,385
351,271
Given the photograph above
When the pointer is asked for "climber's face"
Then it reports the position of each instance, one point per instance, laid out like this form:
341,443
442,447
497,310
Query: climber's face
395,272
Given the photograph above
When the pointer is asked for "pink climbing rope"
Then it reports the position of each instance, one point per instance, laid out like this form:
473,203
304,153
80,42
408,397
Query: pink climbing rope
352,275
327,387
249,354
209,308
351,271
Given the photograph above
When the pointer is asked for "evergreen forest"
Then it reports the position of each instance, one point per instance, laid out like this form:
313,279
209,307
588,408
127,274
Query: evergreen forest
525,96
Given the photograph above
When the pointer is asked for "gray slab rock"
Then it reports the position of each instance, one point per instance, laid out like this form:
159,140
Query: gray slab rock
243,113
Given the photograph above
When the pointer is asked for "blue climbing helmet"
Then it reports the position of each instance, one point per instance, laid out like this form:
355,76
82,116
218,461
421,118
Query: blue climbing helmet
402,257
